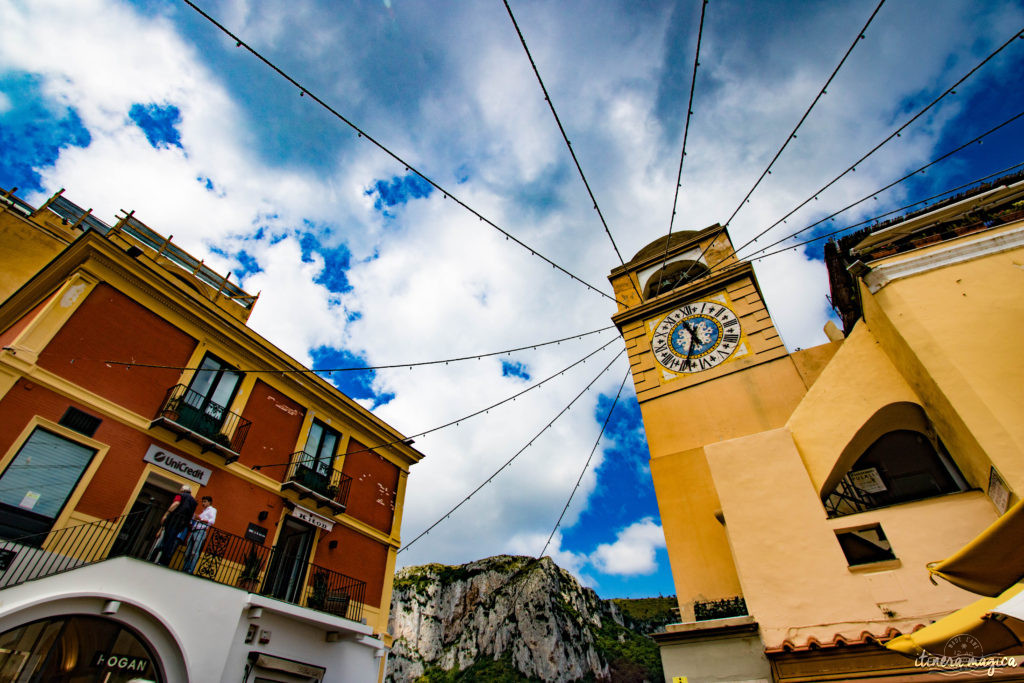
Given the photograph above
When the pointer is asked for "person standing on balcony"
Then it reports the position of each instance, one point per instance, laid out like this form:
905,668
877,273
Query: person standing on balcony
176,522
203,521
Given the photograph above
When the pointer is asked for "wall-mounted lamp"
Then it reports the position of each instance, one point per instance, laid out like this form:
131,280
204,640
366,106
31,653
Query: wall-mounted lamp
262,516
111,607
332,544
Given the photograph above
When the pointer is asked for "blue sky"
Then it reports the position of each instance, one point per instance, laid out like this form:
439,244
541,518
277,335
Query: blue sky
358,261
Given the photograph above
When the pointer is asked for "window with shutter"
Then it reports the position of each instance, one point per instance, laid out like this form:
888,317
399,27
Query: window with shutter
38,481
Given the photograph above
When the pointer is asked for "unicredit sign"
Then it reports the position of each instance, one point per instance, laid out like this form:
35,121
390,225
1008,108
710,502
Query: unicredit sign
175,463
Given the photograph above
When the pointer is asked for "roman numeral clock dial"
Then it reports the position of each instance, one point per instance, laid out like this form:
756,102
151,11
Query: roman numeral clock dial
696,337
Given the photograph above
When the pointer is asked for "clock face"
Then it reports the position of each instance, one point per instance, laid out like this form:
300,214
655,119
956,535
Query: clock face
696,337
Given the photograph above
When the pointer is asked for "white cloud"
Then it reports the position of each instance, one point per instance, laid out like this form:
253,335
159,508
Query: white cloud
633,551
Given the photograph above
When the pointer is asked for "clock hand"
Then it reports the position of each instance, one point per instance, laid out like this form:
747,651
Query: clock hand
689,347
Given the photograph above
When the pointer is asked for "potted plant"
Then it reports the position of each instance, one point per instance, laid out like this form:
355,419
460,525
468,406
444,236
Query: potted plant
318,595
249,579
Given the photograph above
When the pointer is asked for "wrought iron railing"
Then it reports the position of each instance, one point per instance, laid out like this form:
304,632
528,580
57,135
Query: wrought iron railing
44,554
848,499
196,413
320,477
704,610
209,553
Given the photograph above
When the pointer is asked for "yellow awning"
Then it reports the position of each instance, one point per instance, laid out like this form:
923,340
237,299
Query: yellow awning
989,621
993,561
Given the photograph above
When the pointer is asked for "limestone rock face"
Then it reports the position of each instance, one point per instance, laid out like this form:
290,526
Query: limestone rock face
521,609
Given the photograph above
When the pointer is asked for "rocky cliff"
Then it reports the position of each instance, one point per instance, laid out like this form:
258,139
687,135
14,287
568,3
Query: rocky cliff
510,618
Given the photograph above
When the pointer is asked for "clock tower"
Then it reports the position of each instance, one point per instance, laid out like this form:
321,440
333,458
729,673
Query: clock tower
708,366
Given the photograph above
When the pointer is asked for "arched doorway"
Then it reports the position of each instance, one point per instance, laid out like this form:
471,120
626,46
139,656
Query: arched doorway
77,649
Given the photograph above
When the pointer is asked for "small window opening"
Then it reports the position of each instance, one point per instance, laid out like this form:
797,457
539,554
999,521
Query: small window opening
83,423
865,545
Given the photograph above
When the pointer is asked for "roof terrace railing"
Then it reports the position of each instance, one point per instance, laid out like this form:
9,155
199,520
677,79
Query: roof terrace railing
76,215
8,199
141,233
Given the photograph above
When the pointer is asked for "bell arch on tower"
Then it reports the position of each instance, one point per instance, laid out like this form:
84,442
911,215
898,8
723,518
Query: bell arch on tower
672,275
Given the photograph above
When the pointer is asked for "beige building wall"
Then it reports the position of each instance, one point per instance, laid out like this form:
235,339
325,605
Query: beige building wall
795,578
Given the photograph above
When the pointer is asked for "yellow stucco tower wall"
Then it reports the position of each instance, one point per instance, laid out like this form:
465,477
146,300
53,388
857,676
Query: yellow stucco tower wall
754,390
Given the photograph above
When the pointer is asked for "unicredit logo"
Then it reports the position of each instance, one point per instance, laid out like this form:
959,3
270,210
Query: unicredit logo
176,464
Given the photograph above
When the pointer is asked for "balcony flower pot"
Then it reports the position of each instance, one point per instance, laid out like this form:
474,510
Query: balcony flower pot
249,579
318,596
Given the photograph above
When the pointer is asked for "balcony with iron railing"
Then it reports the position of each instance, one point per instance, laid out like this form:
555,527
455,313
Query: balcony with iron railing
217,556
706,610
195,418
317,480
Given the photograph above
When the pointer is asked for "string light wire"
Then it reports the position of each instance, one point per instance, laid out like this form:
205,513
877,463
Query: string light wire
870,195
565,137
896,133
867,221
789,138
364,368
535,560
408,166
508,462
586,466
481,411
686,130
878,217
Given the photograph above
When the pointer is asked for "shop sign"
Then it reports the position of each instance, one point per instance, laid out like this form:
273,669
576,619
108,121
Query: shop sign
116,662
868,481
178,465
998,491
272,663
312,518
256,533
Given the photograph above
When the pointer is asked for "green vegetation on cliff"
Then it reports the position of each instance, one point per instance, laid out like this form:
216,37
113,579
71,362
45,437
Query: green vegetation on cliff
482,670
648,615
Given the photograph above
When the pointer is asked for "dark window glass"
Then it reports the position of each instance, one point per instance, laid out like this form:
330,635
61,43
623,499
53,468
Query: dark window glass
321,445
205,406
315,466
863,546
76,648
